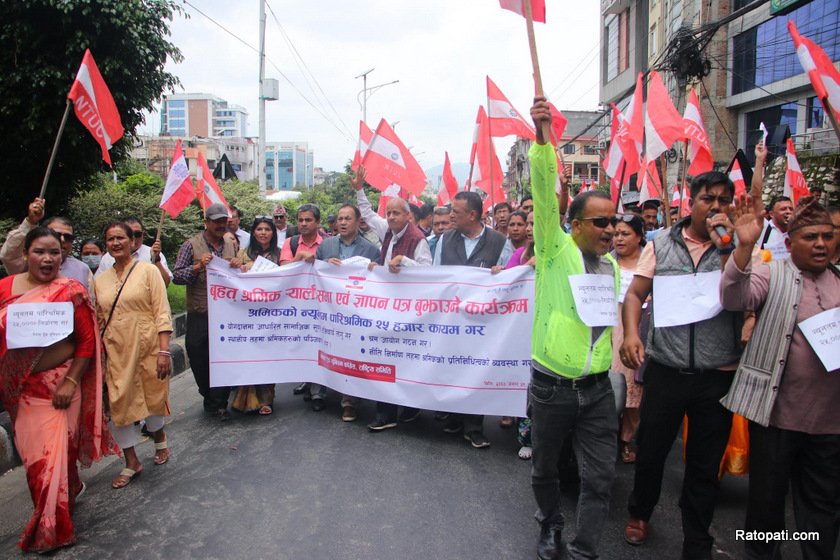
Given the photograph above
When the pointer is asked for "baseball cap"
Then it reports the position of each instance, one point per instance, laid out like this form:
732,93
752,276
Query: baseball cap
216,212
279,211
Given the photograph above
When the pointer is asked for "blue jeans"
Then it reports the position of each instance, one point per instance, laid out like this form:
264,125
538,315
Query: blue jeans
589,412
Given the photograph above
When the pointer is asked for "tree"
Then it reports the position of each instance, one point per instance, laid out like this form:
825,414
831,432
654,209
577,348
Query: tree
41,47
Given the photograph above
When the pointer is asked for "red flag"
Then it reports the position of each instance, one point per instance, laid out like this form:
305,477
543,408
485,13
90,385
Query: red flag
651,188
365,136
449,188
685,207
387,159
699,148
614,157
179,190
518,6
737,177
795,186
392,191
558,124
634,116
663,124
825,78
208,191
504,119
94,106
482,157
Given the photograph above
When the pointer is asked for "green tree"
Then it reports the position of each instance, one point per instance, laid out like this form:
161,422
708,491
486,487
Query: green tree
41,47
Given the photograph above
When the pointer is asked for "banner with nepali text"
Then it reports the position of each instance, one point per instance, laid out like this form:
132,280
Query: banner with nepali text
454,339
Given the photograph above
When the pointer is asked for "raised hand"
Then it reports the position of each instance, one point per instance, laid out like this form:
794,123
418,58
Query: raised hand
746,225
359,178
540,114
36,211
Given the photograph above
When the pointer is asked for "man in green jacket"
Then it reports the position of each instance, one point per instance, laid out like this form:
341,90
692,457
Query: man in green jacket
577,284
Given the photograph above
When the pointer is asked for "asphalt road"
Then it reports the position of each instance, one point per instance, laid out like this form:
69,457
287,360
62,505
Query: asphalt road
300,484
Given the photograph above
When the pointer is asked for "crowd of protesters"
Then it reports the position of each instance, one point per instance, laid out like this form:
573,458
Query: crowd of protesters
619,393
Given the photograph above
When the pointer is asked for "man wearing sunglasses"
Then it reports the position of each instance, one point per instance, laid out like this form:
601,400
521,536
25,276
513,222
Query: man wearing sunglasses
570,394
281,223
691,360
139,251
12,253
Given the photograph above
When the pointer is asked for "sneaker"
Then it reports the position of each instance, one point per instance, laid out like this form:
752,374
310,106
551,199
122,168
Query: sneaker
222,414
441,416
453,426
379,425
318,405
300,389
525,453
348,414
409,415
477,439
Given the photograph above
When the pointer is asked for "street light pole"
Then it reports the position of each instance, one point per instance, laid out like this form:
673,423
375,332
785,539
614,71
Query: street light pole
364,76
261,142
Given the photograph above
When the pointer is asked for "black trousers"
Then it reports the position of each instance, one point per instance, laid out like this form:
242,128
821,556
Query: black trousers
668,396
198,351
810,464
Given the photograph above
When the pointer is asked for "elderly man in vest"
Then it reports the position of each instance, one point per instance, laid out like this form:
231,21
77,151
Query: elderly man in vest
692,351
190,270
783,385
12,254
470,243
570,393
403,244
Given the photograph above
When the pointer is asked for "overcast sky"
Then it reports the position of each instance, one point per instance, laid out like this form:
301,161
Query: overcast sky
439,50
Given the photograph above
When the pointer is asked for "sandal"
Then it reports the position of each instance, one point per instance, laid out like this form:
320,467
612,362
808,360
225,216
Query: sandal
627,454
125,478
163,458
266,409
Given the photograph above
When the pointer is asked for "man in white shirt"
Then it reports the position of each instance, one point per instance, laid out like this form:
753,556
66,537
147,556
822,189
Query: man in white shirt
773,237
242,236
140,252
281,223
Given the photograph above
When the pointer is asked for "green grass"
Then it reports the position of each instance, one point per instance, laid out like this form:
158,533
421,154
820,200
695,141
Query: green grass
177,298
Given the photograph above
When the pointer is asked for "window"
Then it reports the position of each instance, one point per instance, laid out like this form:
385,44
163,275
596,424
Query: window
816,113
652,41
773,118
176,104
618,44
612,48
569,149
764,54
590,150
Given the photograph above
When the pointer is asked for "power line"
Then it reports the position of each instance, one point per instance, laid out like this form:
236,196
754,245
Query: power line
277,68
300,61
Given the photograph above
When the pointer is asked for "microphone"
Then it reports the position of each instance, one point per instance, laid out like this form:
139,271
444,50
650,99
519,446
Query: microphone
721,231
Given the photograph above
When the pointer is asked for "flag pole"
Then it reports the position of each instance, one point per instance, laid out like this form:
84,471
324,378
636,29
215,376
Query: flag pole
620,183
684,178
829,110
535,62
160,224
55,149
490,152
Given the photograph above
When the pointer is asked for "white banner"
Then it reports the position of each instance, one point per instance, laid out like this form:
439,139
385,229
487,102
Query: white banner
38,325
454,339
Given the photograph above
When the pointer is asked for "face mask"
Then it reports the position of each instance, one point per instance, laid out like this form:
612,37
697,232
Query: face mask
92,261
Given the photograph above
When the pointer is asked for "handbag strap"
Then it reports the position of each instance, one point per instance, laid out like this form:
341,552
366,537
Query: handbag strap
117,298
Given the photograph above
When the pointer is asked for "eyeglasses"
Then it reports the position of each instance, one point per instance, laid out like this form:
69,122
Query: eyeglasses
280,217
137,233
602,221
64,236
263,217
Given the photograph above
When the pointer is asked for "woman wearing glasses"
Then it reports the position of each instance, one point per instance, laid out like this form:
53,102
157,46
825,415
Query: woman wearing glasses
627,248
258,398
136,323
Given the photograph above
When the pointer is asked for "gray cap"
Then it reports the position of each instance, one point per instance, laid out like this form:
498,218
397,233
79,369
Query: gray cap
216,212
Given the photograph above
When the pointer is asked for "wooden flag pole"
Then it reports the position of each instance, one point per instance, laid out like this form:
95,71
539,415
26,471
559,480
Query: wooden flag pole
620,183
829,110
535,62
684,177
55,149
160,224
490,153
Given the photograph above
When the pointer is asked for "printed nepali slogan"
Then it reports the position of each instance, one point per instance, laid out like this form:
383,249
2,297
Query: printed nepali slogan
454,339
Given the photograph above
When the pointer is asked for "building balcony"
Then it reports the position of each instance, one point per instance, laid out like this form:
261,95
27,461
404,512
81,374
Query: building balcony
614,6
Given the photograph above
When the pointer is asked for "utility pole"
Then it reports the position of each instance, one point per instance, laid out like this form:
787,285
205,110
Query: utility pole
364,76
261,143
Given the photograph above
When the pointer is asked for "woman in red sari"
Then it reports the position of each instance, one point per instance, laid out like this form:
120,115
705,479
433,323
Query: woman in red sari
53,395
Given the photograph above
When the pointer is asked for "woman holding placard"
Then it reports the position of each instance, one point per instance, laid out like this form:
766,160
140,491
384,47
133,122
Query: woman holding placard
136,323
627,248
51,386
258,398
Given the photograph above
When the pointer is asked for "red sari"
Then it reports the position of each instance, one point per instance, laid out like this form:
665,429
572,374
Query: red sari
50,441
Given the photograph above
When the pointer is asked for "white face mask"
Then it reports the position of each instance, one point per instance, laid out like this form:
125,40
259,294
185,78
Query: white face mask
92,261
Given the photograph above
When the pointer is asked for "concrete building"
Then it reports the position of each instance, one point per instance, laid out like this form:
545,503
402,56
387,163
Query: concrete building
289,165
156,153
201,114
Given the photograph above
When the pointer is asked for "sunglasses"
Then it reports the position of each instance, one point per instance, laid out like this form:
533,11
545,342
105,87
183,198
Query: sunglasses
64,236
602,221
137,234
265,217
279,217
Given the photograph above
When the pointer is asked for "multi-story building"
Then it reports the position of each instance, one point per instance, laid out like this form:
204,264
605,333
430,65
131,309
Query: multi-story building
156,153
201,114
289,165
